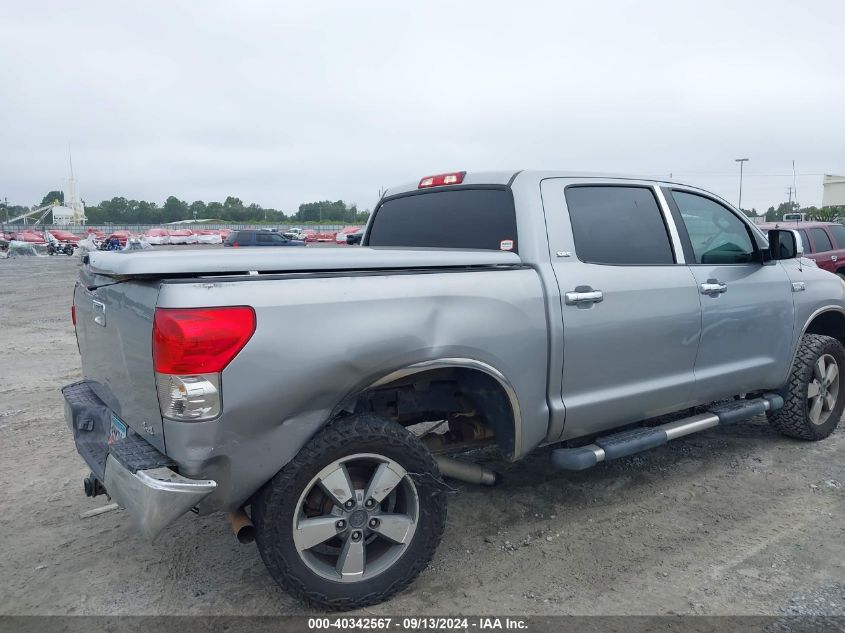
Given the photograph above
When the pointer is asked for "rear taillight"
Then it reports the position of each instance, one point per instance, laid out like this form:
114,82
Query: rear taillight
191,346
452,178
199,340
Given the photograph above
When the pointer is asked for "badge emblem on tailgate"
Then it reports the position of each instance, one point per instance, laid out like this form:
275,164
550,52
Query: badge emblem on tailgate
100,313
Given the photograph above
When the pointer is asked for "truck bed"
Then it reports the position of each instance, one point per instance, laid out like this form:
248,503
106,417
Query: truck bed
190,262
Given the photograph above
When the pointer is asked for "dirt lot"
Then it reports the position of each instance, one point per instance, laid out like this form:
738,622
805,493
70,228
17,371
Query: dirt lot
730,521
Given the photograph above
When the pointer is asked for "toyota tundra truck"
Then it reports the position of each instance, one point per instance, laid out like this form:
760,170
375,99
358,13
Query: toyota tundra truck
597,315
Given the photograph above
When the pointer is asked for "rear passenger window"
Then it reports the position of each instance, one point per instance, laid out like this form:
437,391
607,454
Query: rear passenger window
838,232
716,234
618,225
821,241
264,238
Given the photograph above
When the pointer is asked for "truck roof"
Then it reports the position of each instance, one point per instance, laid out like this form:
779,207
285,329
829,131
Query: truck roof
507,177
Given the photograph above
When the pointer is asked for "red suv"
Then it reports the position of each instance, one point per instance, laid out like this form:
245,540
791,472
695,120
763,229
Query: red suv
824,242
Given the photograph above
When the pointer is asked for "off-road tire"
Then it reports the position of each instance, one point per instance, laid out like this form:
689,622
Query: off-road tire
274,506
793,419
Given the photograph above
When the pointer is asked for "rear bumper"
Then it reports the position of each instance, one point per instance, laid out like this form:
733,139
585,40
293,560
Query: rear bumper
134,474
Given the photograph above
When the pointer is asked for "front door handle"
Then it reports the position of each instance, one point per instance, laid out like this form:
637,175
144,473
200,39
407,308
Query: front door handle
833,258
713,287
579,298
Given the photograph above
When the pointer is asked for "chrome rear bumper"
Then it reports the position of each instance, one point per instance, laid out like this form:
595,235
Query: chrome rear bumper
154,498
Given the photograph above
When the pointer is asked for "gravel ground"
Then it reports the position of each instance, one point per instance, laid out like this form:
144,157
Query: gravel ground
736,520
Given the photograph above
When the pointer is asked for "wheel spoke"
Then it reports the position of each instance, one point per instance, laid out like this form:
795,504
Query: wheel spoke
819,368
311,532
813,389
350,563
829,401
338,485
394,527
383,481
816,409
831,373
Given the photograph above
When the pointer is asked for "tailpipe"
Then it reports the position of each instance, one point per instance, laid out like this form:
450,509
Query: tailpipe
241,525
467,471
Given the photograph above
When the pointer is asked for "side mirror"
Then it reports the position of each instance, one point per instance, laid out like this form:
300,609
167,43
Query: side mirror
785,244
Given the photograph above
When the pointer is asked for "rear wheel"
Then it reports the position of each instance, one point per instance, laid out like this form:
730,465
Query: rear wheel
816,396
354,517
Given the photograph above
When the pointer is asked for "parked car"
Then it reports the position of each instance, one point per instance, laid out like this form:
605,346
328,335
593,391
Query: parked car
309,235
64,236
157,237
355,238
524,309
294,233
340,236
260,237
824,242
182,236
325,236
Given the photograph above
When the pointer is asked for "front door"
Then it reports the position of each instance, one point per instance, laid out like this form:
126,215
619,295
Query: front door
631,311
747,310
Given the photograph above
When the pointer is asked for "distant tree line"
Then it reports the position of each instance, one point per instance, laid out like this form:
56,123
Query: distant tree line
121,210
821,214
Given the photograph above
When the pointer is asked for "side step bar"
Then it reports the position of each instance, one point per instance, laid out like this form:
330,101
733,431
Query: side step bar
633,441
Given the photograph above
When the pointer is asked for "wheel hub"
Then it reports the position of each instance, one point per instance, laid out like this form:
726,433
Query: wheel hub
358,518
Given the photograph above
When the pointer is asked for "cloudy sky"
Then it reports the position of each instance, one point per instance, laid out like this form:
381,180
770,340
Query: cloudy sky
283,103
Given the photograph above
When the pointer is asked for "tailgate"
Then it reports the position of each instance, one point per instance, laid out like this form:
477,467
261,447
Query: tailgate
114,325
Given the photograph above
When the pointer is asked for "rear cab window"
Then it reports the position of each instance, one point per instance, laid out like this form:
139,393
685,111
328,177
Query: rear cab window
618,225
462,218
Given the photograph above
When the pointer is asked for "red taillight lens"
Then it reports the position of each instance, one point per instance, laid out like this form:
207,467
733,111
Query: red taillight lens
453,178
73,315
199,340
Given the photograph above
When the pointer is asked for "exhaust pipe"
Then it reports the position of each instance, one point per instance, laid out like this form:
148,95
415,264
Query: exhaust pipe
467,471
241,525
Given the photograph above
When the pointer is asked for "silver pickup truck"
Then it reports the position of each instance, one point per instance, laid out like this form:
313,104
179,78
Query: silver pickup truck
326,391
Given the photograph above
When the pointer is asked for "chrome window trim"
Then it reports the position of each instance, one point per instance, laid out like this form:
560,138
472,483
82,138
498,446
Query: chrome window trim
677,246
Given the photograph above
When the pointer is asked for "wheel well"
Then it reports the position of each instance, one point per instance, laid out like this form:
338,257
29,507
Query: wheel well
830,323
445,394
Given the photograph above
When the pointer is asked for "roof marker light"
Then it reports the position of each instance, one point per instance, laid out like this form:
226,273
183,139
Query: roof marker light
452,178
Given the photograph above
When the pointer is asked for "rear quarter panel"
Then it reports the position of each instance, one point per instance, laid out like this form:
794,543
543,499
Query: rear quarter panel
319,339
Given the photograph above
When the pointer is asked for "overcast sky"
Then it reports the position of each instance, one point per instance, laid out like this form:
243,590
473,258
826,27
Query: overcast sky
279,104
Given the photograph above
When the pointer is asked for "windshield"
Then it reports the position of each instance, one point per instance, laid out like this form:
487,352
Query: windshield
456,218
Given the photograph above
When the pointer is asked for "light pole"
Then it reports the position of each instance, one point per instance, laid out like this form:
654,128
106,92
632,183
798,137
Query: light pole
740,161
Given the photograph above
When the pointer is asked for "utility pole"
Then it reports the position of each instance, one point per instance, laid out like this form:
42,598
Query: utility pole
789,191
740,161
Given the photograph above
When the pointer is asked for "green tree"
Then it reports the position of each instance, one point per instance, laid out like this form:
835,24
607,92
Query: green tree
175,209
198,209
53,196
233,203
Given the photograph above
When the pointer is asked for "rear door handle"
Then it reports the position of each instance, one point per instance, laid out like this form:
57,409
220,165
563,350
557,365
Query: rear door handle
713,287
579,298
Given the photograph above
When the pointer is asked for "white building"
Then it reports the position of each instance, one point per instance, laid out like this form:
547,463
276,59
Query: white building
833,190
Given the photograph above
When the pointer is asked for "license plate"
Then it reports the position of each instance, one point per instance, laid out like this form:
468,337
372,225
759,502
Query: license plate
117,430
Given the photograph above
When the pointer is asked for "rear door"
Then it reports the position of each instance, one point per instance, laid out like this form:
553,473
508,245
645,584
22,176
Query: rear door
747,307
631,311
837,233
826,254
